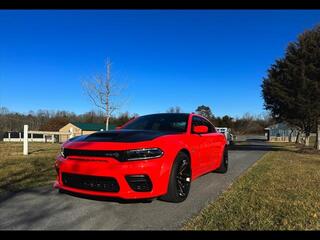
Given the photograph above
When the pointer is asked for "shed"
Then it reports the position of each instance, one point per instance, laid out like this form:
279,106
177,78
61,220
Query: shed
280,132
78,129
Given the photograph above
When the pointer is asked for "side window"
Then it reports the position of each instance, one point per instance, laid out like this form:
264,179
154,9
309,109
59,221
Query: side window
197,121
211,128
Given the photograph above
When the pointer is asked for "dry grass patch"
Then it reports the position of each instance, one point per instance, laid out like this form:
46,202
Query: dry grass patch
19,172
280,192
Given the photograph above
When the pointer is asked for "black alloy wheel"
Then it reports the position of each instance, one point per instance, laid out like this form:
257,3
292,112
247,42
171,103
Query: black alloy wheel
180,179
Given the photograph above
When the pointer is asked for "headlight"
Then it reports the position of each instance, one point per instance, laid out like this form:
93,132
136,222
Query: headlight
62,152
143,154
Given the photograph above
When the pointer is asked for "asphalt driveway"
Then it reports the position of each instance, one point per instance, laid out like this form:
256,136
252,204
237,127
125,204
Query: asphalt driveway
45,208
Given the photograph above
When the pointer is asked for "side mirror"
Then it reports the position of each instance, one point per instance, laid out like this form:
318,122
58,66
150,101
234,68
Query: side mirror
200,129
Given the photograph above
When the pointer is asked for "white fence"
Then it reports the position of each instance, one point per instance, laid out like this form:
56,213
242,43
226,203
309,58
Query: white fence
32,138
45,134
29,140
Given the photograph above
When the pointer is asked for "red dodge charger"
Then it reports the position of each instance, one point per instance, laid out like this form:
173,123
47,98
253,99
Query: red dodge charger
156,155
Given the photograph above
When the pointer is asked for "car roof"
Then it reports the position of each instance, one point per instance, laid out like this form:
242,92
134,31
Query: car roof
186,114
165,114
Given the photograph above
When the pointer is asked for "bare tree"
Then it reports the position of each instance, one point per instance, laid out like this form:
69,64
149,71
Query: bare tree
103,92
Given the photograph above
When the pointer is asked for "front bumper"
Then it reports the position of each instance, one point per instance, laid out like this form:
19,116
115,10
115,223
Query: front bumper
154,170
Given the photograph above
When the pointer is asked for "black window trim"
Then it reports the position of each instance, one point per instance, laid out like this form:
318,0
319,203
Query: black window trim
205,120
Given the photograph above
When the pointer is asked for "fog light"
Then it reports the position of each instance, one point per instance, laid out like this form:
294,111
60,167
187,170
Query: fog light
139,183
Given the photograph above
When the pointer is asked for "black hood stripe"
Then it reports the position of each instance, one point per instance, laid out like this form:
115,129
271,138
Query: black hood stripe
123,135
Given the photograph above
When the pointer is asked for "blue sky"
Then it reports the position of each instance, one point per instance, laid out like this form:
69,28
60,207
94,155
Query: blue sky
166,58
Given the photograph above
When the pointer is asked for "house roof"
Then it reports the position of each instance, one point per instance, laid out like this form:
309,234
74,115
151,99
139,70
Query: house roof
281,126
92,126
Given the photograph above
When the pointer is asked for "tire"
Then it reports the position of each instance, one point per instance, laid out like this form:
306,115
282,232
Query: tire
224,162
61,191
180,180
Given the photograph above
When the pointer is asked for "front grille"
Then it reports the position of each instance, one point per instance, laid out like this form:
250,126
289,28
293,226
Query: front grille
94,183
139,183
119,155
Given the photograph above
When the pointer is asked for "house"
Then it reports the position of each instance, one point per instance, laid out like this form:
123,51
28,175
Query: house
78,129
281,132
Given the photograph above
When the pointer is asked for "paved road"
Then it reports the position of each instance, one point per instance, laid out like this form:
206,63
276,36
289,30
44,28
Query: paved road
44,208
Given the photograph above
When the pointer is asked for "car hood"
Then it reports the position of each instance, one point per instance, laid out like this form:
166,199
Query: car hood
122,135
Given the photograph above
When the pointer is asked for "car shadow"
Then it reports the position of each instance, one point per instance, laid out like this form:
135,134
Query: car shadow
106,199
255,140
256,145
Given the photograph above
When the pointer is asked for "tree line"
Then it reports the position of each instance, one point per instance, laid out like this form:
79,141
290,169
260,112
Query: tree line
45,120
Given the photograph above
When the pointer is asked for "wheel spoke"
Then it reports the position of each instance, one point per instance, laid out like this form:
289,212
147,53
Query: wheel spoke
183,167
181,189
183,178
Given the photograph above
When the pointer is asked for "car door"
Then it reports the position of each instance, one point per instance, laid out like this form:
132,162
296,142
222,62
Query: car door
211,149
198,145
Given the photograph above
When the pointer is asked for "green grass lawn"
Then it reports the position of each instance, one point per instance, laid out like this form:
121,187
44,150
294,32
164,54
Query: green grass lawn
279,192
19,172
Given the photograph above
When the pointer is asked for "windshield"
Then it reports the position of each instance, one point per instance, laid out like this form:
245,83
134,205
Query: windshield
173,122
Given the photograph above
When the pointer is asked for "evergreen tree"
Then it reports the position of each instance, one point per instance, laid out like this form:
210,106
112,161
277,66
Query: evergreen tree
205,111
291,90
